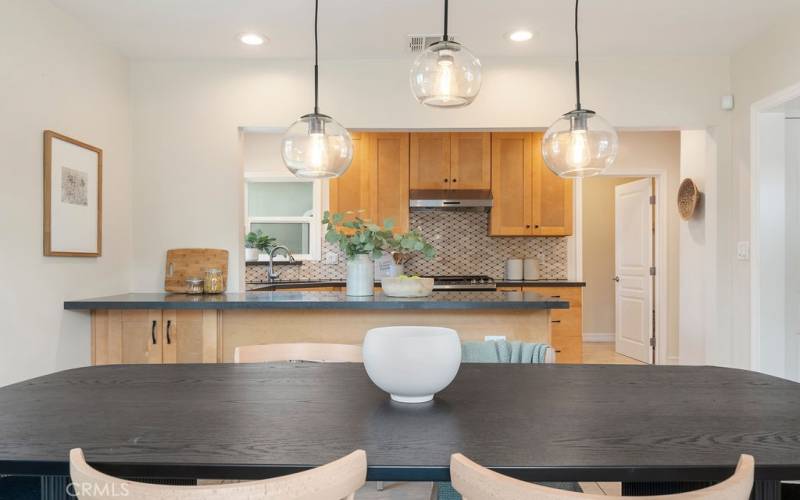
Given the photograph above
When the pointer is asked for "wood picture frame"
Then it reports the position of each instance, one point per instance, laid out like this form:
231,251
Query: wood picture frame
73,220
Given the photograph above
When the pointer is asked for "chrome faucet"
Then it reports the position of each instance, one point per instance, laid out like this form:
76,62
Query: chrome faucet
272,275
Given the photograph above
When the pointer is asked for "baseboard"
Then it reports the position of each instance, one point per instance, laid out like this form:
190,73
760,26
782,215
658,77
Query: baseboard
598,337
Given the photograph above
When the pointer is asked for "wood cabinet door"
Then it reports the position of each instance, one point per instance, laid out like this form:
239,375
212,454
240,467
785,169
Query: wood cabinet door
430,160
470,160
351,191
189,336
552,197
139,335
390,178
511,213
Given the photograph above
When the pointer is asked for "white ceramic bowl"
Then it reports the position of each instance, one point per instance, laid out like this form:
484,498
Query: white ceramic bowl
412,363
407,287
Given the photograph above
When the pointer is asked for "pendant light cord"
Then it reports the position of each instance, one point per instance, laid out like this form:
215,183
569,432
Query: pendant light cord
577,61
445,37
316,58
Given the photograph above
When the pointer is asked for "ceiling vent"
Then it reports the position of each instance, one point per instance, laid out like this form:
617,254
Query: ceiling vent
417,43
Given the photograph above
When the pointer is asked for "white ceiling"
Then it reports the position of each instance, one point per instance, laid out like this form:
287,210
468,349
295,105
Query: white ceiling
354,29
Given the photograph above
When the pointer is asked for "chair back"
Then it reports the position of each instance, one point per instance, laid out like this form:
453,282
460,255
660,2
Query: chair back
334,481
319,353
474,482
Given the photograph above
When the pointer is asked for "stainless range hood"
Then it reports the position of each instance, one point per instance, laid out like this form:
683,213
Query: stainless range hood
450,199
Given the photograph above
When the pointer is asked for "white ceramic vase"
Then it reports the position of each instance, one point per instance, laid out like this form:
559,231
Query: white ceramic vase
360,276
412,363
251,254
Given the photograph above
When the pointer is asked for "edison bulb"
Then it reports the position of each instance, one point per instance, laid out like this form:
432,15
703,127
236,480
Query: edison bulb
445,74
317,147
579,144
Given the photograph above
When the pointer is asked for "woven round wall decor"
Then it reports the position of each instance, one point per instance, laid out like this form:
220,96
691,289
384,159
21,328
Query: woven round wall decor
688,197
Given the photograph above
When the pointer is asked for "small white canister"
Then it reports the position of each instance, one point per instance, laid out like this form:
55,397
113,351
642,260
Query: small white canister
531,269
514,269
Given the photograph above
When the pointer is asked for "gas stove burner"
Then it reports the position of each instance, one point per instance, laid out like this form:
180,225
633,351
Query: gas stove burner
463,283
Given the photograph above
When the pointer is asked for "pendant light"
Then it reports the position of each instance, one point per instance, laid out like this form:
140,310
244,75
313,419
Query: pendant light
316,146
580,143
446,74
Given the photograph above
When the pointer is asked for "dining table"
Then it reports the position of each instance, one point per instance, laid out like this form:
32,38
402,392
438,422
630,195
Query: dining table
656,429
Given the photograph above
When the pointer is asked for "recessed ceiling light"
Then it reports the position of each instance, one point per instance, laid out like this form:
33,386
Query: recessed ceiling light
520,36
252,39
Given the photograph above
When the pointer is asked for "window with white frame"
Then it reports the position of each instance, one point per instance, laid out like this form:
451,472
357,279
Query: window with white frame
287,209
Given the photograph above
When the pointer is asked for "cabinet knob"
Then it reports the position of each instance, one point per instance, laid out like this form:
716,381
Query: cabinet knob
153,332
536,226
527,226
447,180
454,180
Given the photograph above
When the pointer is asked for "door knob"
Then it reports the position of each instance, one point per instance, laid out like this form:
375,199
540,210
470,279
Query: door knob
616,278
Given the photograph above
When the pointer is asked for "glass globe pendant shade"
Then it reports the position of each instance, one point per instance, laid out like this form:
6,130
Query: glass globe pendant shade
317,147
446,75
579,144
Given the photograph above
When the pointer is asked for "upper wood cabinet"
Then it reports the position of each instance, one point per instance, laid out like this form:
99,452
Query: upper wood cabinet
430,160
351,191
389,161
529,200
470,160
511,213
552,197
445,160
377,183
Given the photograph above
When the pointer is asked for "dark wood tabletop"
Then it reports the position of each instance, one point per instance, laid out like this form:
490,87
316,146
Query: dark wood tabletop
536,422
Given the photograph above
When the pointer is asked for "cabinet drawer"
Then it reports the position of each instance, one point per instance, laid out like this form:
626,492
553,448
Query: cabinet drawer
573,294
568,349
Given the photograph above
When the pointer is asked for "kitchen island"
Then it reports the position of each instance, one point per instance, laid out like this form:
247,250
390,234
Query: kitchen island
178,328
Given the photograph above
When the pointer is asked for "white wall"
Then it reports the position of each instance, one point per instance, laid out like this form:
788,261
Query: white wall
792,191
55,76
699,336
186,119
763,67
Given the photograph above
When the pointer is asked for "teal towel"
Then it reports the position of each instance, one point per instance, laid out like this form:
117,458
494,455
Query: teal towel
502,351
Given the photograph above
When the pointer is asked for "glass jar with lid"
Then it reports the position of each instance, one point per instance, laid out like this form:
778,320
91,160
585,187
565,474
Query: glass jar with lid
194,286
214,282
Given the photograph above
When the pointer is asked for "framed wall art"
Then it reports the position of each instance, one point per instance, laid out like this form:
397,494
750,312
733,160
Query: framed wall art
73,197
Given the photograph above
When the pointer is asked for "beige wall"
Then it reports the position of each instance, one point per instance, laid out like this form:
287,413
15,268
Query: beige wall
658,153
56,76
598,253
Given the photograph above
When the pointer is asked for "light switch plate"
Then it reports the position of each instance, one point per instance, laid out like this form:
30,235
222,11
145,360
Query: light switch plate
743,250
331,259
494,337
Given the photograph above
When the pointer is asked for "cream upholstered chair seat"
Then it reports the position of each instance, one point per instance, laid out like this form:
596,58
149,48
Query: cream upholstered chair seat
301,351
474,482
334,481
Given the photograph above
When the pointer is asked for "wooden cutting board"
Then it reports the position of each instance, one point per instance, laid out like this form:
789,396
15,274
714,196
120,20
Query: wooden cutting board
183,263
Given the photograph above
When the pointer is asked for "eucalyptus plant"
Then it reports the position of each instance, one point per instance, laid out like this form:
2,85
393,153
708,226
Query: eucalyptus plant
357,236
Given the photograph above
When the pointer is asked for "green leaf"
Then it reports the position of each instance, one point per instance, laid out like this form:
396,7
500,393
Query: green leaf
388,224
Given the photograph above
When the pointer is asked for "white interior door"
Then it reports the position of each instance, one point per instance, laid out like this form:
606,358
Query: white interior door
633,227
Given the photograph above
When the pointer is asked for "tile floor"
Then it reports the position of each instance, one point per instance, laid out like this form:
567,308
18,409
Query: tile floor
593,353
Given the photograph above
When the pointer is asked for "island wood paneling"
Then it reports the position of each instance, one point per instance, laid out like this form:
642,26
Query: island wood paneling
246,327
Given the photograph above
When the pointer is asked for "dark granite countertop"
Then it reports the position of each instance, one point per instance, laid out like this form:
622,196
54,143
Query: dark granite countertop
320,300
282,285
542,283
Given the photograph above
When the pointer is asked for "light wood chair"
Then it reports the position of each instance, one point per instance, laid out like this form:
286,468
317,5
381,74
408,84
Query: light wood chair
474,482
334,481
319,353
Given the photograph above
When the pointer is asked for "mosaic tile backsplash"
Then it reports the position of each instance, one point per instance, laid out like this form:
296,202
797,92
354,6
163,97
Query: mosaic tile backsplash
462,247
